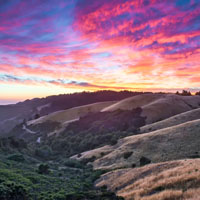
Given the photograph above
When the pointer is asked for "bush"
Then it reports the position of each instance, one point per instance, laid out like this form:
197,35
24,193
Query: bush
73,163
16,157
12,191
37,116
127,154
17,143
133,165
113,141
87,160
144,161
43,152
43,169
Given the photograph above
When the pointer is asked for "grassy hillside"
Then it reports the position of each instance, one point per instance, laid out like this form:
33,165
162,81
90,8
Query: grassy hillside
172,121
95,130
11,115
69,115
177,142
35,159
174,180
156,107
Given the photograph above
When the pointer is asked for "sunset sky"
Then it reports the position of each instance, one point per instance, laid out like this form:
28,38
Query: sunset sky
63,46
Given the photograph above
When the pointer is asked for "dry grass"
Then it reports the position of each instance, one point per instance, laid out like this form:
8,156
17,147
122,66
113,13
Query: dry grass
177,142
158,106
175,180
72,114
172,121
98,153
134,102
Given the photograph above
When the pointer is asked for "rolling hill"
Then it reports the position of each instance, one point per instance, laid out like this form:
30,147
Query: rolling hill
145,146
176,142
110,116
14,114
172,121
157,107
66,116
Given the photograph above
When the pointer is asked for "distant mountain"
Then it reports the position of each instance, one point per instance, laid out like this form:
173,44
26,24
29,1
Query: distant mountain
11,115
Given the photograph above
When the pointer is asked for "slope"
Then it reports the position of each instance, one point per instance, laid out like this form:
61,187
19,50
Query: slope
72,114
11,115
176,142
175,180
172,121
157,107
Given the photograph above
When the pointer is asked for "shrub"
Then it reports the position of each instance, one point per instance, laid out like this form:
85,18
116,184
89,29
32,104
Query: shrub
103,154
43,169
87,160
73,163
17,143
16,157
144,161
113,141
133,165
37,116
43,152
127,154
12,191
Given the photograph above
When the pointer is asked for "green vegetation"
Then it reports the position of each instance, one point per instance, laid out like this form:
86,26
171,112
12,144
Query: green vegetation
43,169
71,144
23,177
92,131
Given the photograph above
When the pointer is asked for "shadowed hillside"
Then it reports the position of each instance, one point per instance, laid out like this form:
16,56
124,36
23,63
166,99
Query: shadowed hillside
69,115
11,115
177,142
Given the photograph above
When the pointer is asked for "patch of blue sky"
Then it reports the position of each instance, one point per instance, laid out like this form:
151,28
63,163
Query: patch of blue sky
46,37
102,55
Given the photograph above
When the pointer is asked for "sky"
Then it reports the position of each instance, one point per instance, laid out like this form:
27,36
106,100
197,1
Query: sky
63,46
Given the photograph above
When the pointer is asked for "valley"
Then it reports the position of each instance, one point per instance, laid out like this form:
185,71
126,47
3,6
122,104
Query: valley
141,147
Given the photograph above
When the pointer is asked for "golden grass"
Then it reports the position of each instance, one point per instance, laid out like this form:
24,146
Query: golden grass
157,106
69,115
175,180
134,102
172,121
177,142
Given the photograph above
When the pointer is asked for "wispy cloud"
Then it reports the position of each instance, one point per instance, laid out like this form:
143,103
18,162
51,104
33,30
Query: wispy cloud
119,44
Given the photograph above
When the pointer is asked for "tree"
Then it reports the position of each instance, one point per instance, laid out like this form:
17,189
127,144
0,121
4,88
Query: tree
197,93
43,169
36,116
186,93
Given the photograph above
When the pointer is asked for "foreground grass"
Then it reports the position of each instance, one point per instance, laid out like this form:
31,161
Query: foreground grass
175,180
